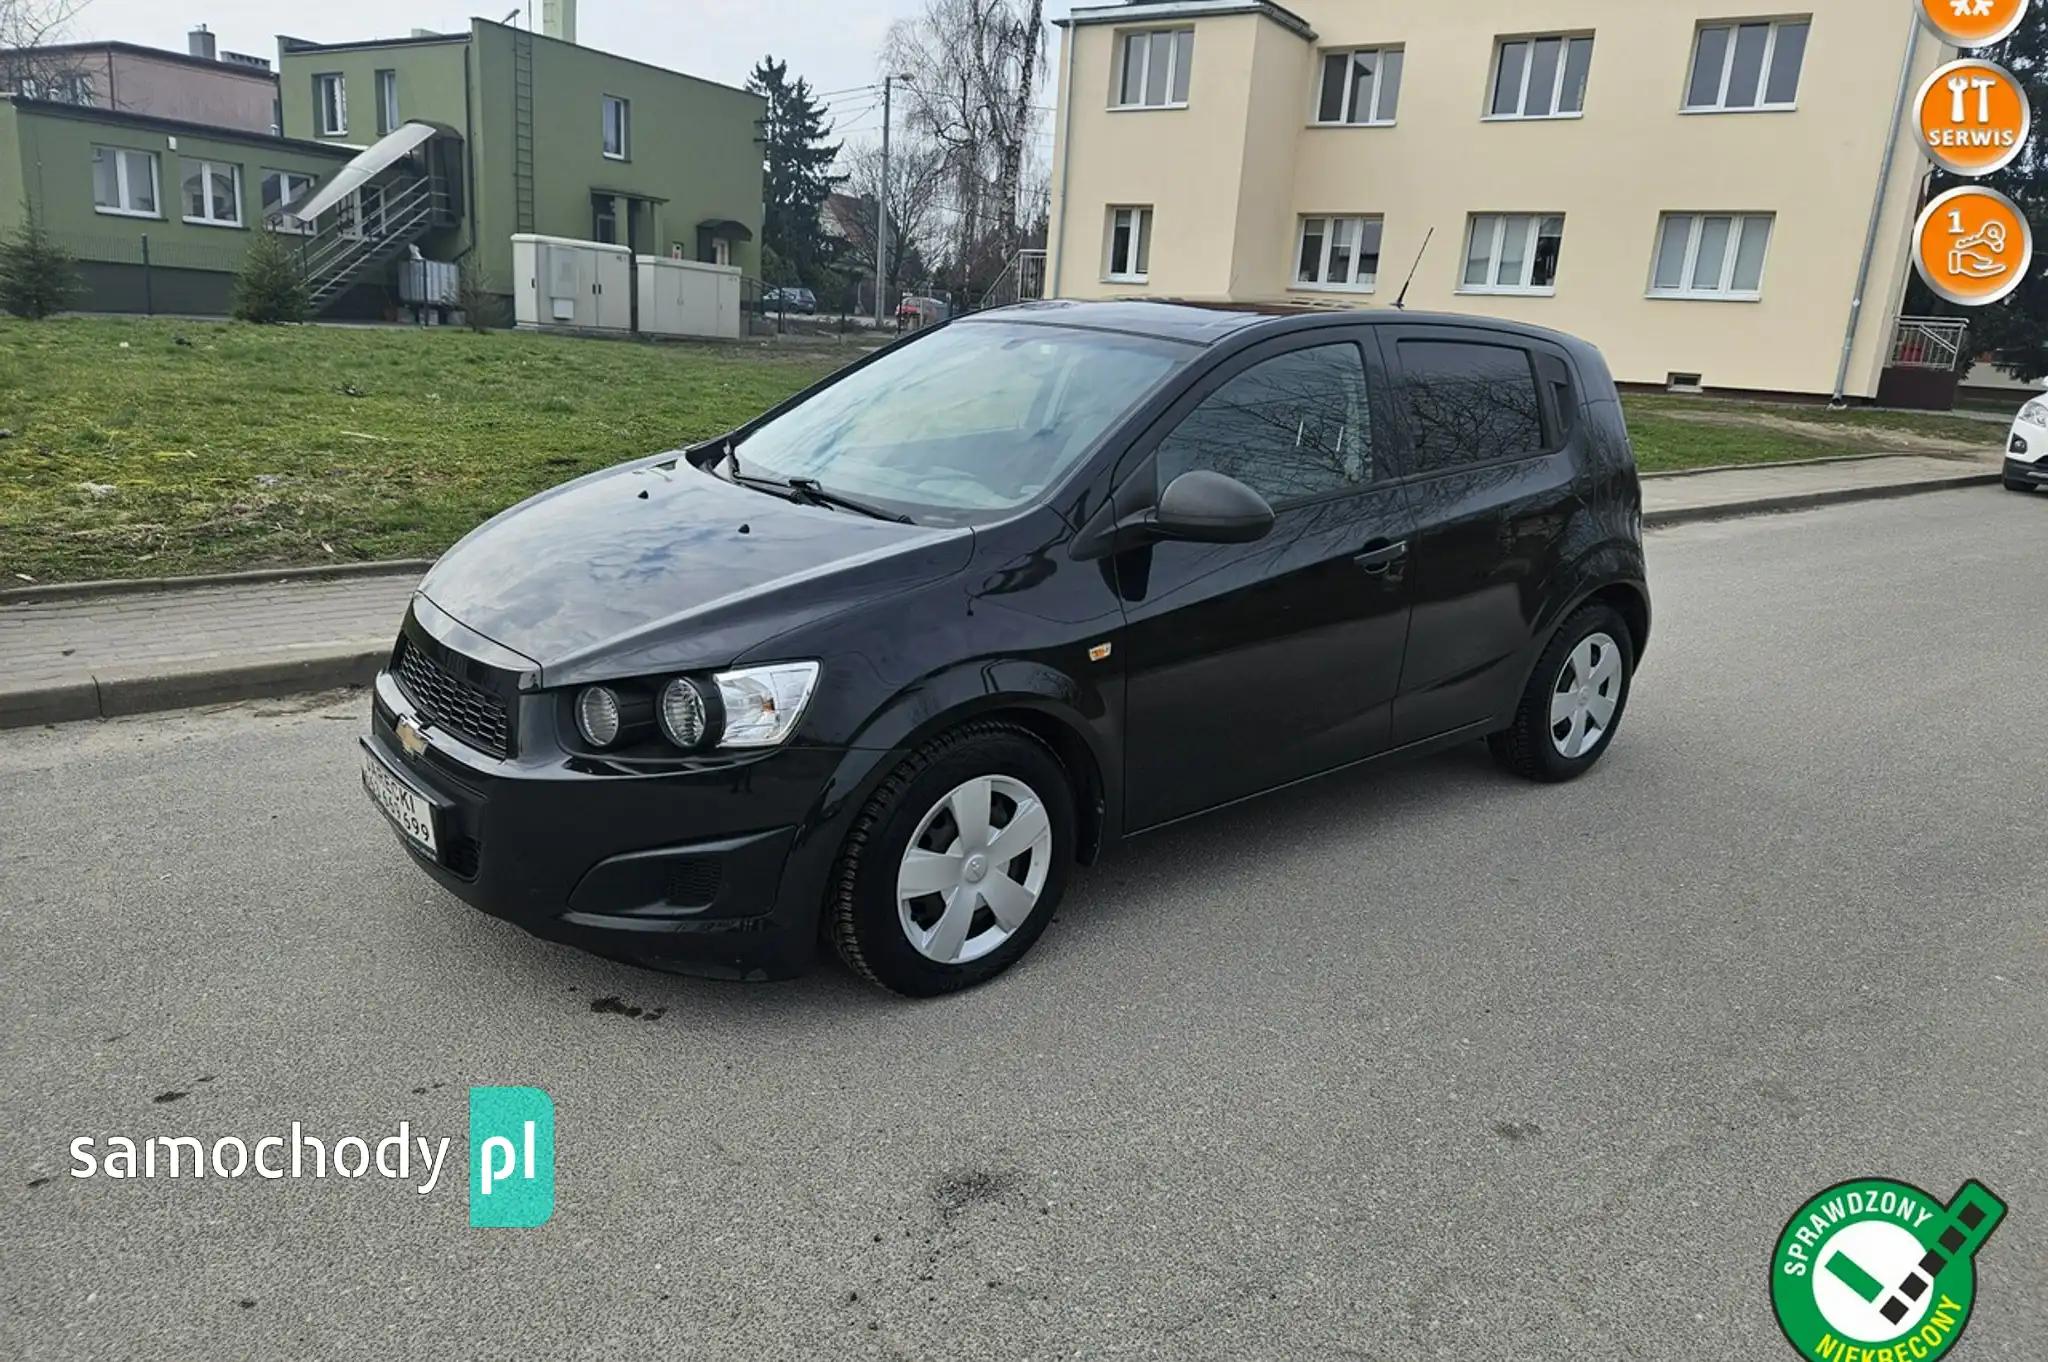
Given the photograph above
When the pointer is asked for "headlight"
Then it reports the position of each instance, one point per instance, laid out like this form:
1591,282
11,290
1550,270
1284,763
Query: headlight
763,704
682,714
597,715
2035,412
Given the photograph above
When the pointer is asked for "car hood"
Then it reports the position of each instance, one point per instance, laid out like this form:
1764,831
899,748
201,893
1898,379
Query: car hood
657,565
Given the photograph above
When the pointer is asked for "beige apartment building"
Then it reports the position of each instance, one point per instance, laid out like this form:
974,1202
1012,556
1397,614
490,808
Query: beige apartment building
1692,185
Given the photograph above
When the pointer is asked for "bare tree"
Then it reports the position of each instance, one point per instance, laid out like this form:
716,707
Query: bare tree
917,175
975,66
28,66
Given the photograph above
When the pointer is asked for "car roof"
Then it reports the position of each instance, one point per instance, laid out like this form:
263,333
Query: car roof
1206,324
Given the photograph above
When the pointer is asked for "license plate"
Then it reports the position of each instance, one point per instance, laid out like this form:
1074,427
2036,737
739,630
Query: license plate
412,814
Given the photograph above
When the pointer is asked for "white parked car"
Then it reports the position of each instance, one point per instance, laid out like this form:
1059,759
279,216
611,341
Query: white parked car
2026,449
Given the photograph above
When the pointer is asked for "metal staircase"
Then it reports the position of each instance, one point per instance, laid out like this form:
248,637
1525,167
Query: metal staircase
522,129
365,235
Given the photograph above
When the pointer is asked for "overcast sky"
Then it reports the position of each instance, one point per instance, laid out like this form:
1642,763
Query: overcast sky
832,43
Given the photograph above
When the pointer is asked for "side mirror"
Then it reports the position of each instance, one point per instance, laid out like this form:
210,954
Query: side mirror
1202,507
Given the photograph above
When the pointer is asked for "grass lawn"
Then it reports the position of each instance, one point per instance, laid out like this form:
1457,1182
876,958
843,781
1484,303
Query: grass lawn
260,447
269,446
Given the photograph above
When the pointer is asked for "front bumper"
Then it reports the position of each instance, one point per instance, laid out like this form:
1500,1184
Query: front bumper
717,866
2021,472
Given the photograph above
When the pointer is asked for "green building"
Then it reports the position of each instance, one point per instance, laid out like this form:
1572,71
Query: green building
441,144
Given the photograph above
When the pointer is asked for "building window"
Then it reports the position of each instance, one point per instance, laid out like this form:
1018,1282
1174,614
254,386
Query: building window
1339,253
282,189
387,102
1155,69
1747,66
330,105
1130,245
1718,256
67,88
124,181
618,127
1513,253
1362,88
1541,77
213,194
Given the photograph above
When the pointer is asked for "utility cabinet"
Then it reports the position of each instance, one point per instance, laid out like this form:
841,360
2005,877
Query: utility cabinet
572,285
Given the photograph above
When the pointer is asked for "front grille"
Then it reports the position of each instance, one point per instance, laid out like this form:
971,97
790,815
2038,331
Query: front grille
475,715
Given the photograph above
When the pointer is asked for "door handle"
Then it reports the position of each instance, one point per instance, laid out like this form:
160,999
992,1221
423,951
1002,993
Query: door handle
1380,558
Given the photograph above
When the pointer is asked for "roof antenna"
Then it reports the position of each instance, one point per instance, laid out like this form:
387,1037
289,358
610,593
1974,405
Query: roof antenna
1401,303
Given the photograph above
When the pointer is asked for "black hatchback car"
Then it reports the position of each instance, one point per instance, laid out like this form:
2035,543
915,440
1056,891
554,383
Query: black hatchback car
879,667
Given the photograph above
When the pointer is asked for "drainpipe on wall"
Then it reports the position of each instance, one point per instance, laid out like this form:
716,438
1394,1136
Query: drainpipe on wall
1884,179
1071,40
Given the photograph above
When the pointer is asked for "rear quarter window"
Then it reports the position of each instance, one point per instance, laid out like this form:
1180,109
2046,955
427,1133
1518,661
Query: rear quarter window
1469,402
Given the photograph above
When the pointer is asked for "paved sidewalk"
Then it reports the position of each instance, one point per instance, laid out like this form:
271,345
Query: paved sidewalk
99,657
107,655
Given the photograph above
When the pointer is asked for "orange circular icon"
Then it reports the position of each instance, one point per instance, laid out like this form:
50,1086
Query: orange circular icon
1973,117
1973,246
1973,23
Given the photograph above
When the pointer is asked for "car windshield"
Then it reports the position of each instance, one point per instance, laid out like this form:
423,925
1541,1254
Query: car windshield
969,422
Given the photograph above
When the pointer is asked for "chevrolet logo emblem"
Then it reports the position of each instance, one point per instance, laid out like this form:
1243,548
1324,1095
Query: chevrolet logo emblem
412,738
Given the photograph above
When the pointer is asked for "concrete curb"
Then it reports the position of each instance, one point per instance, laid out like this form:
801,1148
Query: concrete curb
111,692
1806,501
1802,463
136,586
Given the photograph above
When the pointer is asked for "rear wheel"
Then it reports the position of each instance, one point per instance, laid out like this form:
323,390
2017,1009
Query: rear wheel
956,864
1574,701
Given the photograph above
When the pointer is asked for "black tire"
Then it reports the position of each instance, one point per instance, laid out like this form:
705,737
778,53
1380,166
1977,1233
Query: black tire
862,913
1525,747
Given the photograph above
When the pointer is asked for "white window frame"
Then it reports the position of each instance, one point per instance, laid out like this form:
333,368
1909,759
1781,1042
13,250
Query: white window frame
1322,283
1734,29
1564,63
1379,75
1498,224
625,111
387,101
1727,292
206,168
156,189
291,227
1141,38
1140,263
321,80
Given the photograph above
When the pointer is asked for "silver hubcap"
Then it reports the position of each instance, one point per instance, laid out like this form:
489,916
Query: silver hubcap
1587,693
974,869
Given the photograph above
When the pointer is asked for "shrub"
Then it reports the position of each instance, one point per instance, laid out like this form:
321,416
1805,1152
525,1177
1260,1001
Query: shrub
37,276
270,288
481,308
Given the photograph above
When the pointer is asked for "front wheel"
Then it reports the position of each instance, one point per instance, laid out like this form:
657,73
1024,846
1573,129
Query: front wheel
956,864
1573,704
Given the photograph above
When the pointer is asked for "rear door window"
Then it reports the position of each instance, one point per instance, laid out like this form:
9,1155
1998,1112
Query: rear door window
1469,402
1292,428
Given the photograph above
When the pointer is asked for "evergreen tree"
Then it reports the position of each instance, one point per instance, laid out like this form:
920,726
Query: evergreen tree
270,287
799,167
36,274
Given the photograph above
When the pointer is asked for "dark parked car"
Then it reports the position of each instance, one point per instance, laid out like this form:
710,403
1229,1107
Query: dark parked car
879,667
801,301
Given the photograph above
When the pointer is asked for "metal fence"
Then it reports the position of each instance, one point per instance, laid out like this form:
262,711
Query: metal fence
1930,343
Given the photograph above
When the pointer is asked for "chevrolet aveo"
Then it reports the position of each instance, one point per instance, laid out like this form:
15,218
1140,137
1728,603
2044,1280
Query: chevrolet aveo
878,668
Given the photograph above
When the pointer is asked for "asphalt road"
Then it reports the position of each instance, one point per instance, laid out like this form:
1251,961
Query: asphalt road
1418,1062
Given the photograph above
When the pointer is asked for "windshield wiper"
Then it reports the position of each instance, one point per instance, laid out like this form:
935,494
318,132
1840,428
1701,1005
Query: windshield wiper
816,493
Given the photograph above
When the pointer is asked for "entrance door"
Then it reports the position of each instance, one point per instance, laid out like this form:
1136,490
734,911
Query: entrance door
1252,665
